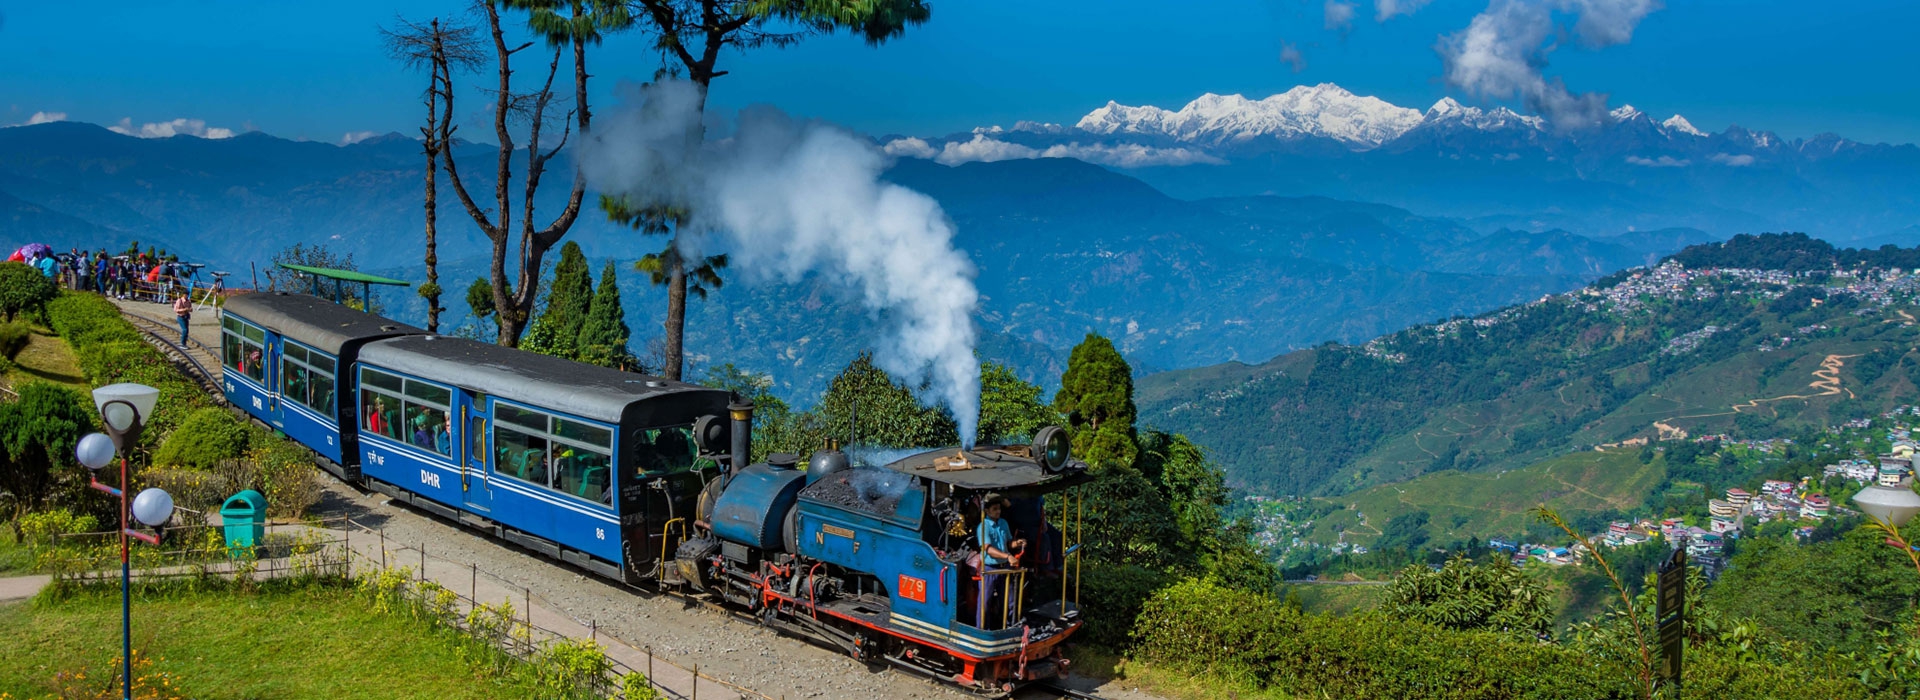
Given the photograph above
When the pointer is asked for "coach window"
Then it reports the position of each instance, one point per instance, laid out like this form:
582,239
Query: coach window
559,453
380,402
306,377
242,347
668,450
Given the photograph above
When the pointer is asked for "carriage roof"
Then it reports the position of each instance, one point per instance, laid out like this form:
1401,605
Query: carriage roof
313,321
544,381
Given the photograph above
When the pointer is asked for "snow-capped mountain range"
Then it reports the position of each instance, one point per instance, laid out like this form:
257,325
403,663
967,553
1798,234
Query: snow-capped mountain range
1629,171
1224,124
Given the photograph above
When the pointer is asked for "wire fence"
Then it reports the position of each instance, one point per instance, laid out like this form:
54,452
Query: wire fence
488,607
431,575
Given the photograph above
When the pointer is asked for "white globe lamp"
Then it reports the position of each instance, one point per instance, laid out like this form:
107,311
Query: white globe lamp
94,451
153,507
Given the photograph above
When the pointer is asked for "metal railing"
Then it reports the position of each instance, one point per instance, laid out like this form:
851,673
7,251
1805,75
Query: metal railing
533,638
292,550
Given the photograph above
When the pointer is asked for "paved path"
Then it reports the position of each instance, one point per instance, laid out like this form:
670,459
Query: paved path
22,587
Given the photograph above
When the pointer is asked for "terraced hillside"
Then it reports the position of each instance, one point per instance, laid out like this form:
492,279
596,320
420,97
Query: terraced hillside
1644,355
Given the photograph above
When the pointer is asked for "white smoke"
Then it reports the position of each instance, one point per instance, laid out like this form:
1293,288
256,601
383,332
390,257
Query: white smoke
788,199
1503,51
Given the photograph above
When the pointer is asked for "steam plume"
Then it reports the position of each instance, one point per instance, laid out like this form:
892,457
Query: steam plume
787,199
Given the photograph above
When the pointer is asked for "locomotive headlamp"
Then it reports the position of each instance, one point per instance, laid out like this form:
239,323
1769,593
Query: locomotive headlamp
1052,448
712,434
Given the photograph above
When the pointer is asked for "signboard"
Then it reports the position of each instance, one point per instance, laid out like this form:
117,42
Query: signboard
1671,610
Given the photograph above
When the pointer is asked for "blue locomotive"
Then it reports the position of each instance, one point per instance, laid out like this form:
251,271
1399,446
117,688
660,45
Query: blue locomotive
645,480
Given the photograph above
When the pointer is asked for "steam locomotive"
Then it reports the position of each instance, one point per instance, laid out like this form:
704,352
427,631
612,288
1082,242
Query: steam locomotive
646,481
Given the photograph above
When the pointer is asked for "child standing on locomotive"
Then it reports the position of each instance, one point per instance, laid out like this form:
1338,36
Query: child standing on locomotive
995,553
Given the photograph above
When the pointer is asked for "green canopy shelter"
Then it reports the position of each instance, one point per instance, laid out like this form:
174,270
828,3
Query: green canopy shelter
343,277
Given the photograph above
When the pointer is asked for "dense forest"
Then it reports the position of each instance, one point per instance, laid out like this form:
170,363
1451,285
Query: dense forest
1794,252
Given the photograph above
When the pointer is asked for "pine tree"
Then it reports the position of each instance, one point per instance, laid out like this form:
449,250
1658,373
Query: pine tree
557,329
1096,396
603,336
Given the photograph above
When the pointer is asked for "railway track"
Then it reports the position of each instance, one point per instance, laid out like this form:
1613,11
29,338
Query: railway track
193,359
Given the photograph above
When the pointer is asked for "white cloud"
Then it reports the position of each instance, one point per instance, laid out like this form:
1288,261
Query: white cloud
910,147
353,137
1730,160
1130,155
1290,55
40,118
1384,10
1504,50
177,127
1339,15
982,149
1661,162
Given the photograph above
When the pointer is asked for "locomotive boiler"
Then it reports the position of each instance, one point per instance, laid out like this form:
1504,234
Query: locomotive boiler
884,561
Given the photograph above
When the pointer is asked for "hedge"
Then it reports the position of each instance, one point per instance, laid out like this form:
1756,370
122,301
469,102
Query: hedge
1202,628
111,351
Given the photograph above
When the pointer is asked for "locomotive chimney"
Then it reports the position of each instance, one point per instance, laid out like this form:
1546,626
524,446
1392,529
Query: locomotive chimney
742,451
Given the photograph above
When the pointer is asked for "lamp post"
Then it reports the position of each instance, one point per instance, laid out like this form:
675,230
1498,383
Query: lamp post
1890,507
125,408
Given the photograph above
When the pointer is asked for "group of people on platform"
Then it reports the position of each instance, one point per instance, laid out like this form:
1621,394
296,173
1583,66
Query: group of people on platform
139,276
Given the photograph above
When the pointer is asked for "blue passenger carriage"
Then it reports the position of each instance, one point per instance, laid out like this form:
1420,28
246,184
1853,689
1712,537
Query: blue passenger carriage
284,358
582,463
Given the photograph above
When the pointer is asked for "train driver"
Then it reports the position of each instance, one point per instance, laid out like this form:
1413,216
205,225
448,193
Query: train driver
996,554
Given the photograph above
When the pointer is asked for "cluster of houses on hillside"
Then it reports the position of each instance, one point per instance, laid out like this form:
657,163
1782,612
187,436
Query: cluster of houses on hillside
1671,280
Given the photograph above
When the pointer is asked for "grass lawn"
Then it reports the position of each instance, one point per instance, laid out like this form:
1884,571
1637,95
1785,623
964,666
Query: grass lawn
315,642
47,357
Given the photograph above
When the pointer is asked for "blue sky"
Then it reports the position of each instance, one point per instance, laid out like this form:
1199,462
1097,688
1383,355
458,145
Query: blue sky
1794,67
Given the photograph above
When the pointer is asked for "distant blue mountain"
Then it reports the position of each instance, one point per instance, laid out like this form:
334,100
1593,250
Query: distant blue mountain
1063,247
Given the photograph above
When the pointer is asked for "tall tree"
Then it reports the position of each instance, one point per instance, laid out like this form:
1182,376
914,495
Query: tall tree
1010,407
574,24
671,269
1096,396
603,337
557,331
442,48
690,34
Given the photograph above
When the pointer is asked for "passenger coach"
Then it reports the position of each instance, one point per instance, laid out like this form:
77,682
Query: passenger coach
284,357
582,463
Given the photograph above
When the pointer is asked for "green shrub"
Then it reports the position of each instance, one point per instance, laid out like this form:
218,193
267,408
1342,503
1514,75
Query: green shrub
1462,595
1204,628
1118,592
23,288
110,351
207,437
286,476
40,528
14,338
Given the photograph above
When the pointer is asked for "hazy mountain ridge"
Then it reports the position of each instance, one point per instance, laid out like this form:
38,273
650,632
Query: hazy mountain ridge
1062,247
1601,365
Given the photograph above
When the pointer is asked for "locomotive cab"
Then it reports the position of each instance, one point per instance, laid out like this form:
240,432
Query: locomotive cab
885,561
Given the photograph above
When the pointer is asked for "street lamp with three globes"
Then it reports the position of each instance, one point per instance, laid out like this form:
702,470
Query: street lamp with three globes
125,409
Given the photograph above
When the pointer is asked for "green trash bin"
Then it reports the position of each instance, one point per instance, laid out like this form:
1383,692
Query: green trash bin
244,517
